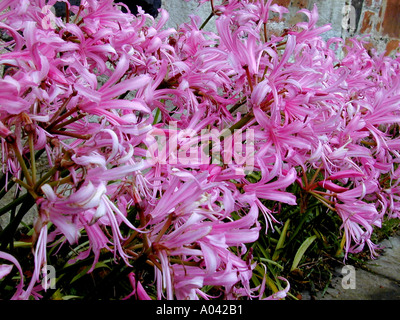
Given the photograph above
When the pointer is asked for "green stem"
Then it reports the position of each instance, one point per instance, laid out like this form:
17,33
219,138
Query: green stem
265,33
136,246
5,189
45,177
72,134
324,201
163,230
305,180
60,182
242,122
22,183
237,105
54,120
69,121
22,164
265,73
322,193
13,204
8,233
158,111
210,15
66,13
185,263
315,175
32,156
27,187
248,75
78,14
11,183
207,20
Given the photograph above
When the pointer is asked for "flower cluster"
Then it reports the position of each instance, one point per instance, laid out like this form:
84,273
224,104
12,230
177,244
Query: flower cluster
100,90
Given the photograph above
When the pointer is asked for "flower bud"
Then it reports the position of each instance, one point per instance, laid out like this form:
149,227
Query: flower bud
30,128
4,131
11,138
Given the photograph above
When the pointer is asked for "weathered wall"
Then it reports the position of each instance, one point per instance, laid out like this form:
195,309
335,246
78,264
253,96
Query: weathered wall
378,18
381,19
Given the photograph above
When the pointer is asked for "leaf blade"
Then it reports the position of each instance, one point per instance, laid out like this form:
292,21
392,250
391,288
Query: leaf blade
301,251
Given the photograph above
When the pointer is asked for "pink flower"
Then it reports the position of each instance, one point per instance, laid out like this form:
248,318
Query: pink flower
119,104
6,269
138,290
271,190
40,256
241,53
4,131
10,99
309,28
281,294
346,174
358,192
358,221
332,186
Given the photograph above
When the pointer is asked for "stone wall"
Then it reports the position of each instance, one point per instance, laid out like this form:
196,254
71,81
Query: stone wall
378,19
381,19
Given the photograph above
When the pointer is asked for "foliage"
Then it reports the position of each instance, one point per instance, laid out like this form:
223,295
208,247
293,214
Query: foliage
185,164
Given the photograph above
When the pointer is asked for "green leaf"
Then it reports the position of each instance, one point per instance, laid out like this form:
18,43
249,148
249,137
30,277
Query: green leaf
156,116
281,241
340,249
71,297
271,262
22,244
300,252
85,270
